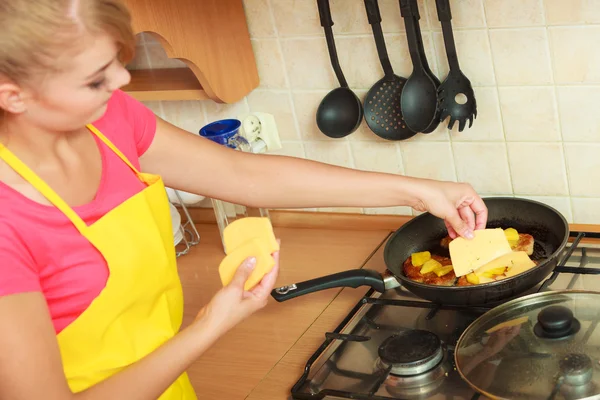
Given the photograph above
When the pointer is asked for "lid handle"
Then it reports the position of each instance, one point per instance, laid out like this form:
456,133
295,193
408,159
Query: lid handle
556,322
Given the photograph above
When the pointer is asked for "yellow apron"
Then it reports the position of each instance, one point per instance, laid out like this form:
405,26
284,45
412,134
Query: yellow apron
141,306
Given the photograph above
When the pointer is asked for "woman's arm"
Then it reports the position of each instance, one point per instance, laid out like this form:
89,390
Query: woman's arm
197,165
31,368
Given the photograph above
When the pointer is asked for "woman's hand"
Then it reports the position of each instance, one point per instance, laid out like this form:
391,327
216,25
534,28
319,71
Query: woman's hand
461,208
232,304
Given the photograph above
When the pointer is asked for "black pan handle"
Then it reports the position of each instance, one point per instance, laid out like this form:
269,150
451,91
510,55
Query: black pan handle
353,278
374,16
327,23
445,17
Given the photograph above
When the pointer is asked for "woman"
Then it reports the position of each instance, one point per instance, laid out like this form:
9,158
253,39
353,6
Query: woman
90,300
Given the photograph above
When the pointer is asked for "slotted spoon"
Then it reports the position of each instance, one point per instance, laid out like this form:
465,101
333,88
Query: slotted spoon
382,103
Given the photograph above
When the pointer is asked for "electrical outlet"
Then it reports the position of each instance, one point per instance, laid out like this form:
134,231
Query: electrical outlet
260,130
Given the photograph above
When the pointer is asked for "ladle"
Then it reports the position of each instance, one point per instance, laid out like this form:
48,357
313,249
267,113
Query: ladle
419,95
340,112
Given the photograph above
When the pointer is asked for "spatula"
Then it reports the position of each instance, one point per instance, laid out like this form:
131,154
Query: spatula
456,98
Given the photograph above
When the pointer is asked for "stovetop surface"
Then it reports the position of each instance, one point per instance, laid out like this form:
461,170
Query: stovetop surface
348,366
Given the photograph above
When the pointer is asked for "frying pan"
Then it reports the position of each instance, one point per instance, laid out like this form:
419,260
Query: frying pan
548,227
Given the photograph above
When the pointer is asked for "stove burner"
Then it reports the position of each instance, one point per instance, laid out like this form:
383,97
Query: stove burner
576,369
411,352
419,386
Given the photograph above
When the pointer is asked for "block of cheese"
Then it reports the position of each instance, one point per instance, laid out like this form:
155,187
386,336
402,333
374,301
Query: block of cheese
248,237
233,260
469,255
240,231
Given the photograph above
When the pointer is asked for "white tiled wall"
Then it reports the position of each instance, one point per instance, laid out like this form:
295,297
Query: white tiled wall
535,65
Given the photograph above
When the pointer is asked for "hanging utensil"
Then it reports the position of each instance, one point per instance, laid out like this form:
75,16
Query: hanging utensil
340,112
419,95
455,96
436,120
382,103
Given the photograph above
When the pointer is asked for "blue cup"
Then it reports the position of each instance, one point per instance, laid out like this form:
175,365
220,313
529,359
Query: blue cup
225,132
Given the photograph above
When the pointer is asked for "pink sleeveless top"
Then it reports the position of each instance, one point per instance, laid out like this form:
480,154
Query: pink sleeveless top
41,251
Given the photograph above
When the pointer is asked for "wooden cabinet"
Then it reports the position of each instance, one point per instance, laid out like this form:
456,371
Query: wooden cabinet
210,36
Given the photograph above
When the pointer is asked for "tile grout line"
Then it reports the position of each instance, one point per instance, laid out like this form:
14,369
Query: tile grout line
557,110
497,90
437,60
356,88
287,79
312,36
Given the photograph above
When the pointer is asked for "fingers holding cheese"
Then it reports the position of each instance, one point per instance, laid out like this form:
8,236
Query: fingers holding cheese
252,248
246,238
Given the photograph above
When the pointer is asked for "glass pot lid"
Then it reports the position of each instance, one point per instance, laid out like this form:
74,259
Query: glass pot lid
541,346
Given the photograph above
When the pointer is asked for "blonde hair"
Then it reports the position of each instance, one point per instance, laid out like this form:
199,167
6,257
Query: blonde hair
34,31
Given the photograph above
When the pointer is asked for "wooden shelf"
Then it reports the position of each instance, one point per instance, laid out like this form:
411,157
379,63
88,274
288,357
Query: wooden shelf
210,36
168,84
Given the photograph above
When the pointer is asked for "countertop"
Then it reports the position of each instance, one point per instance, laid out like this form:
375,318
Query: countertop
265,355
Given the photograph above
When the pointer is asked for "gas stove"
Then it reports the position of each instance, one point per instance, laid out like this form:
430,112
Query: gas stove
395,345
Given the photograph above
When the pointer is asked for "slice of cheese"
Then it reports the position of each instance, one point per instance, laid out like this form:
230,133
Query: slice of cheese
508,324
520,262
242,230
514,259
469,255
485,279
251,248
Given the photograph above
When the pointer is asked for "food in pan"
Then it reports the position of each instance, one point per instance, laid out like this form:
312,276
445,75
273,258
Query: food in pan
523,243
437,270
431,269
470,255
508,265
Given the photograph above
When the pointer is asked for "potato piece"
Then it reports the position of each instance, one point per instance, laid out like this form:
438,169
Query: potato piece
472,279
430,266
421,258
511,235
443,270
492,273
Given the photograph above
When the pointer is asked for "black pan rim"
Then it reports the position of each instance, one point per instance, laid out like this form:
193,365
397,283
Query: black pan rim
553,256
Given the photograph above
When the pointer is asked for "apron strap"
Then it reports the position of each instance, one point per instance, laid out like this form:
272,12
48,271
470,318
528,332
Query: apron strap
111,146
41,186
19,167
